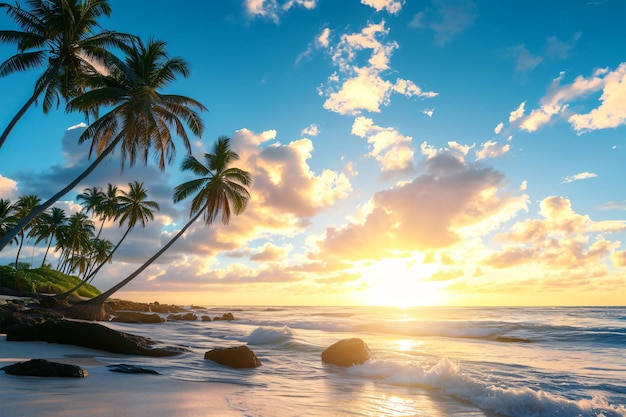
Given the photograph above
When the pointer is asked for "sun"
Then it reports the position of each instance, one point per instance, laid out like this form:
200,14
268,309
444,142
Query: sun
400,283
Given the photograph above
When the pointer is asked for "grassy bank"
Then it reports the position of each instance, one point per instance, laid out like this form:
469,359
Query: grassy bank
43,280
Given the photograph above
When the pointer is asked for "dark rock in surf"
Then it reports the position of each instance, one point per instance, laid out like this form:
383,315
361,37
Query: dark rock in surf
131,369
225,316
235,357
186,316
90,335
347,352
136,317
205,318
42,367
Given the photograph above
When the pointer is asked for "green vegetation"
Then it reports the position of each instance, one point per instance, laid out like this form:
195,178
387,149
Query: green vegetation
43,280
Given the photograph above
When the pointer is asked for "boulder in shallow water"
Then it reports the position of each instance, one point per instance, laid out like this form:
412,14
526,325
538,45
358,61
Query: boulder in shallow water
347,352
90,335
235,357
131,369
42,367
225,316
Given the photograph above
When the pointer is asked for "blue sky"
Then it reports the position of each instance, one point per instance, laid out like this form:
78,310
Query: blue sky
405,153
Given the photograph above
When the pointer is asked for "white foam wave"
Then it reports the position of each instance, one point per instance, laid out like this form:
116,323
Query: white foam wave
447,377
268,335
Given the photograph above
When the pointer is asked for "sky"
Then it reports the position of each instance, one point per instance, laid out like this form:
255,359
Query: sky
406,153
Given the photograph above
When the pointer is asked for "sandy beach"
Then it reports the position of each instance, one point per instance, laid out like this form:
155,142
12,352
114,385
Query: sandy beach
102,393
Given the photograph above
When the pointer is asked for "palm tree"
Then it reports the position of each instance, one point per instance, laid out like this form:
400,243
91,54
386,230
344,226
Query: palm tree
133,208
108,206
100,254
48,228
75,240
220,189
7,217
91,200
61,37
142,119
23,207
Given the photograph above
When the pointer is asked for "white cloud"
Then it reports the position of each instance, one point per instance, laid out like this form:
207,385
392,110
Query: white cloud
498,128
311,130
428,112
8,188
580,176
358,85
391,6
517,113
392,150
610,113
271,9
492,149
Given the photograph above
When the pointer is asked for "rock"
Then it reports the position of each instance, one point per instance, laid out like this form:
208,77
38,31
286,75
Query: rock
155,307
136,317
186,316
90,335
235,357
225,316
42,367
347,352
131,369
205,318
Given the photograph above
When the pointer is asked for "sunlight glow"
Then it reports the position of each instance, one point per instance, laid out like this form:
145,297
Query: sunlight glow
399,283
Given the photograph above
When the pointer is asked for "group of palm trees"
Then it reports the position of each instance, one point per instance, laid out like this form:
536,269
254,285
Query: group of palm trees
81,250
81,68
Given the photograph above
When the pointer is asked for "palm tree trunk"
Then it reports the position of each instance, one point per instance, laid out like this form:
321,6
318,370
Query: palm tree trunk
17,117
99,300
9,235
45,255
19,249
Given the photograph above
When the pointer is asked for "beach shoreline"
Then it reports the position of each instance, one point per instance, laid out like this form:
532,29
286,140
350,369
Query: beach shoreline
102,393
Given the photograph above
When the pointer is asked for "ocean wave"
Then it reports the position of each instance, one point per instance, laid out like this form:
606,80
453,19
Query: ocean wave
446,377
269,335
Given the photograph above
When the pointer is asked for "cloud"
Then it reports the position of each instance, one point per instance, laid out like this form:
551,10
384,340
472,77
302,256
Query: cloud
446,19
392,150
491,149
524,60
517,113
311,130
391,6
610,113
273,9
429,213
428,112
580,176
358,85
498,128
8,188
559,240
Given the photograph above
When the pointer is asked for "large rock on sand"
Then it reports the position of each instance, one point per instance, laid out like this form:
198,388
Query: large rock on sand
89,335
235,357
42,367
347,352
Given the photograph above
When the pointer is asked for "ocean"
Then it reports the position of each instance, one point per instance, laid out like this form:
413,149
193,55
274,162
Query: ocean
432,361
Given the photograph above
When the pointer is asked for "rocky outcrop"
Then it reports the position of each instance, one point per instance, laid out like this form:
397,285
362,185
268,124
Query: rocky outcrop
225,316
347,352
186,316
42,367
155,307
136,317
205,318
90,335
235,357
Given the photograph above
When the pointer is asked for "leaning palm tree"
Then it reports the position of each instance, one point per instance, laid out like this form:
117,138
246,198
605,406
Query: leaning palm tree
133,209
108,207
91,200
48,228
74,240
220,189
63,37
141,118
23,207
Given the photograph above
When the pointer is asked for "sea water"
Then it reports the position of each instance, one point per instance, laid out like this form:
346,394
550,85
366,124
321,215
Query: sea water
516,362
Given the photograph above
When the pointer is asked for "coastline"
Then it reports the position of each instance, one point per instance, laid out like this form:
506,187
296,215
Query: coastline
102,393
